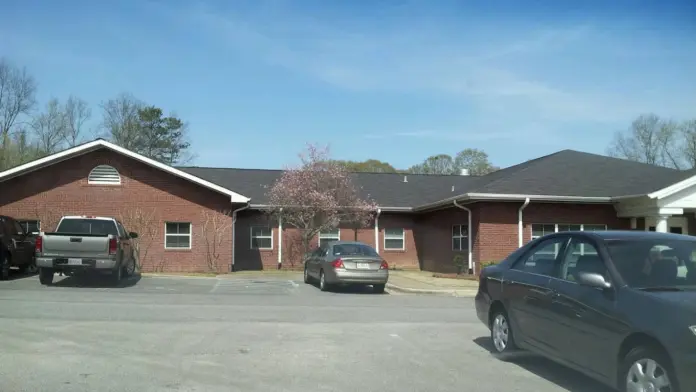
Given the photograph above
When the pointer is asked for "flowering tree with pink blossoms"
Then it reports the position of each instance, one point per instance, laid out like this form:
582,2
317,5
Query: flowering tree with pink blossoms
318,196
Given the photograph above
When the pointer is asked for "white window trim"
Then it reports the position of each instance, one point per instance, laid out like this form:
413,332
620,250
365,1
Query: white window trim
460,236
555,227
251,237
329,236
190,235
97,182
555,230
403,240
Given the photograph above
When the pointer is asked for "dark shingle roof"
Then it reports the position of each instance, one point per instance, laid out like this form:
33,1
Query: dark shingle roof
565,173
387,189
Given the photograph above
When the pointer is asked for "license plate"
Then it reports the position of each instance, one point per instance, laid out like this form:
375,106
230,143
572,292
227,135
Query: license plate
362,265
74,261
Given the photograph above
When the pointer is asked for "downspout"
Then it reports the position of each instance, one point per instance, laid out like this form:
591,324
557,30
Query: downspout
472,267
379,211
280,239
234,232
520,225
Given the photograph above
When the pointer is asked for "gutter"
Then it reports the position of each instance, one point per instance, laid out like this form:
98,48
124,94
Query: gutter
385,209
468,236
234,233
379,211
512,197
520,225
280,239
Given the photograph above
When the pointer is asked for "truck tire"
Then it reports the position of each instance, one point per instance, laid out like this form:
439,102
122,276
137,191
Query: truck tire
46,276
116,276
4,265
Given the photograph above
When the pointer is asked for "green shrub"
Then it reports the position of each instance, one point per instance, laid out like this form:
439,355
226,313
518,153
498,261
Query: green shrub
459,261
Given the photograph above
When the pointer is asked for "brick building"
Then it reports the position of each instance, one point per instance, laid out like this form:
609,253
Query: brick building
423,221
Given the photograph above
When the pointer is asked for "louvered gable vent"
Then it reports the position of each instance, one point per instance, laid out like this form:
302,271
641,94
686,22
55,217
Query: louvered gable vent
104,175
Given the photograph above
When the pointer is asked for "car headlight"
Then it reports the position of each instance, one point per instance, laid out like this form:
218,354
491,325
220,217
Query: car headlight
693,329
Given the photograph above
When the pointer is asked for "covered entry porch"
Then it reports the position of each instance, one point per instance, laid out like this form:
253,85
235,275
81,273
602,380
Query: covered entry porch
670,210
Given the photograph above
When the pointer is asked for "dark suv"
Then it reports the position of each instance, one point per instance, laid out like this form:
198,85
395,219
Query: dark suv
618,306
16,247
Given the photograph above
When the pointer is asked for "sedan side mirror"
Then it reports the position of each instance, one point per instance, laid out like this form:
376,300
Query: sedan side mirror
593,279
133,234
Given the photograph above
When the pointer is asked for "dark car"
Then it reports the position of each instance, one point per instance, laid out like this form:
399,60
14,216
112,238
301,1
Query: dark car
618,306
16,247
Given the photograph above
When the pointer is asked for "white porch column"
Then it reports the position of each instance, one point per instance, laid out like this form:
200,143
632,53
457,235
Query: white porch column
634,223
662,225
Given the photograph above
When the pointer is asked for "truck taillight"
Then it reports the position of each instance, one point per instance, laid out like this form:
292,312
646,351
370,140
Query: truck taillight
112,246
38,245
338,263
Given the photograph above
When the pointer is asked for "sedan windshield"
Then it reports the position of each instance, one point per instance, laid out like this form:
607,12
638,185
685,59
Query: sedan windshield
655,264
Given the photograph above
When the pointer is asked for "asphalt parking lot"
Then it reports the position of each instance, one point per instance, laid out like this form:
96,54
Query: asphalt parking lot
267,334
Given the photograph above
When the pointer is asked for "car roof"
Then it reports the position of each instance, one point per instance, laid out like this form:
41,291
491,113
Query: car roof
348,243
610,235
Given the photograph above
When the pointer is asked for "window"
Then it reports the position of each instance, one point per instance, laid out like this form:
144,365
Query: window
261,237
541,229
459,237
177,235
542,259
655,263
31,225
104,175
582,257
394,239
329,235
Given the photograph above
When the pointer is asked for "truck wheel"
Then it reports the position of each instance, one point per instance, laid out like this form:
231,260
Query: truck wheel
4,265
46,276
129,269
116,276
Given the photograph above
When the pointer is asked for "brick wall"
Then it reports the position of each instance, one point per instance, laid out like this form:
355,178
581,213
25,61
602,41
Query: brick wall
292,249
498,223
62,189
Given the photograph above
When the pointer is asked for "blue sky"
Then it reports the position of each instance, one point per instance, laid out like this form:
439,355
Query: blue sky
392,80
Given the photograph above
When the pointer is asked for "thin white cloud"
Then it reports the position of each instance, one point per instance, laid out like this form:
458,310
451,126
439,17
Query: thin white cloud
480,70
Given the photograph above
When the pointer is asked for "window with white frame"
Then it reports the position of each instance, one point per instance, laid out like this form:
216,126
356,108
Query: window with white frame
177,235
329,235
460,233
261,237
394,239
30,225
541,229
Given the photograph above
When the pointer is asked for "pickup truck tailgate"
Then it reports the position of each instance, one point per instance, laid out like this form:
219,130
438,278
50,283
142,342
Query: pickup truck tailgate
75,245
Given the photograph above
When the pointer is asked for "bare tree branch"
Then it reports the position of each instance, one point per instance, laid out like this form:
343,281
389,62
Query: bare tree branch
650,140
688,147
17,97
214,231
50,127
76,112
121,120
144,222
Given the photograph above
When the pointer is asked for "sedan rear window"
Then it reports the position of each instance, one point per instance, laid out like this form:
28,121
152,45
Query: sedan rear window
354,250
87,226
655,263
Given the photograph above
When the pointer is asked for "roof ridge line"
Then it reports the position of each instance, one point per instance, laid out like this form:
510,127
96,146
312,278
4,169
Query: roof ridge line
531,163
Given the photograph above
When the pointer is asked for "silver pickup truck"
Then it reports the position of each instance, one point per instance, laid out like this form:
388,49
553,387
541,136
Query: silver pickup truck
85,244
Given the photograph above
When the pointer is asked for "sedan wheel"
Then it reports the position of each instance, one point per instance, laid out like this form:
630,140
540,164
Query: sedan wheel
501,333
306,275
323,286
646,370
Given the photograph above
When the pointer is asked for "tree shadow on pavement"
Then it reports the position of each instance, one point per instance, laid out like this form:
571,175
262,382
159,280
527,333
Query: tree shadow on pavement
95,281
560,375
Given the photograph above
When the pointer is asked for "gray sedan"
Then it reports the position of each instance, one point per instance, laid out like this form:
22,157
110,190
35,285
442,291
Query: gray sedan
346,262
